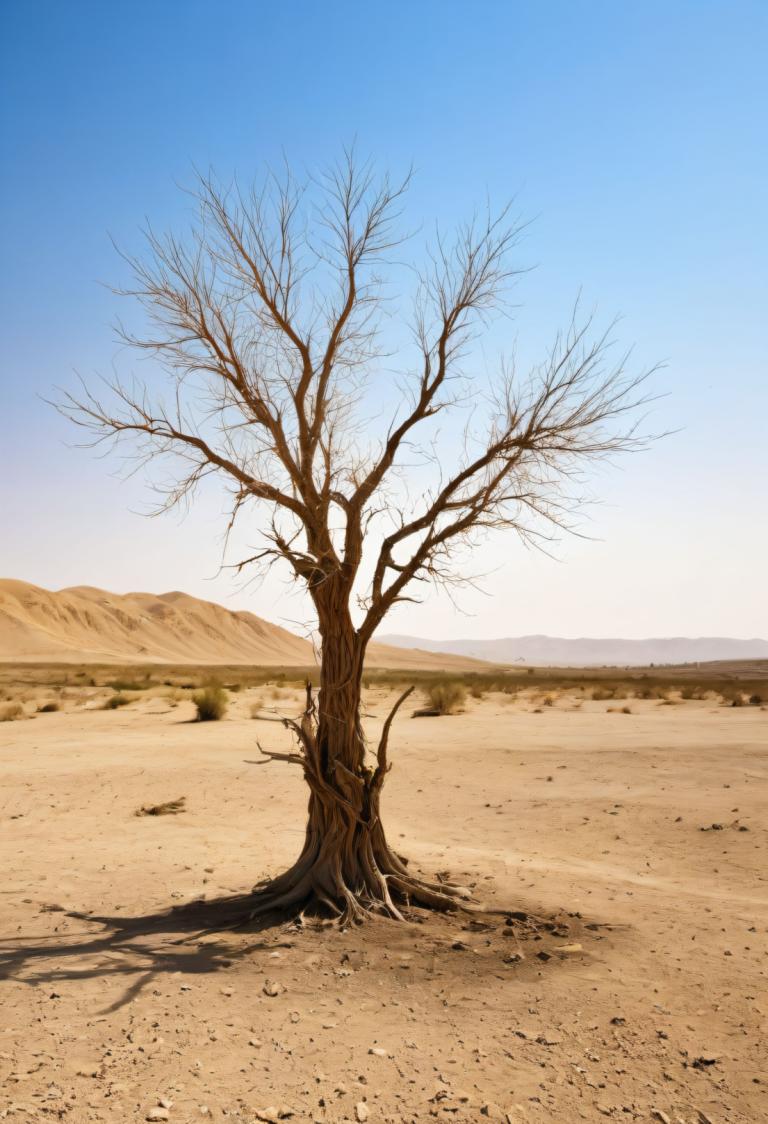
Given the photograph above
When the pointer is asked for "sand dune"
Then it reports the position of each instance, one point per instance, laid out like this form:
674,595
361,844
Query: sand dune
83,624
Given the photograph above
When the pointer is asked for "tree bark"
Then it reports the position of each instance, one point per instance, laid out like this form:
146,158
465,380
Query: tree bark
346,866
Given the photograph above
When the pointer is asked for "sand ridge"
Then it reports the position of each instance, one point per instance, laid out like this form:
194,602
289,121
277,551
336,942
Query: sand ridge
84,624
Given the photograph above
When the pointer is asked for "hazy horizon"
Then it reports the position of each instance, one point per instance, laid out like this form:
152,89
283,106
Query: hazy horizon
634,137
384,634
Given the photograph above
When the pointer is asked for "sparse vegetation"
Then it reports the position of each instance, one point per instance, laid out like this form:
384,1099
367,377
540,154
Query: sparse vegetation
49,707
211,703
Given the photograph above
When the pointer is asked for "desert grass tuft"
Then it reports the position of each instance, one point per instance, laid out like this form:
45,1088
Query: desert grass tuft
443,698
211,703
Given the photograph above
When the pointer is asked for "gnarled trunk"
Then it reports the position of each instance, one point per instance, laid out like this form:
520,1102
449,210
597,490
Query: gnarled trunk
346,865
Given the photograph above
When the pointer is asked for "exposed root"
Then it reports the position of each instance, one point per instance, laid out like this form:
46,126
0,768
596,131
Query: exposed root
347,869
390,895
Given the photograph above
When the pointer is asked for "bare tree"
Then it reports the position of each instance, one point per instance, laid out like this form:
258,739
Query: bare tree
265,321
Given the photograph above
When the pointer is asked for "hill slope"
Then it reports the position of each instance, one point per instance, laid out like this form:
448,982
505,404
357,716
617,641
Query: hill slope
554,651
87,625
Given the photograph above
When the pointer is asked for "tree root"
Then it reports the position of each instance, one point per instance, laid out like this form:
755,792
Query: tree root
346,869
322,889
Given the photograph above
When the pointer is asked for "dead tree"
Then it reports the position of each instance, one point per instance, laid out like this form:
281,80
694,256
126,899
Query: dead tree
266,325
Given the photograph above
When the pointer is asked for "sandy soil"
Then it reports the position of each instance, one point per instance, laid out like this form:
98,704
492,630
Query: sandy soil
658,1015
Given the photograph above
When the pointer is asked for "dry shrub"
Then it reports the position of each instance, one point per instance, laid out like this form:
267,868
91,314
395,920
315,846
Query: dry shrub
548,700
600,694
115,702
256,708
443,698
211,703
11,712
755,700
698,693
649,693
48,708
626,710
447,698
477,691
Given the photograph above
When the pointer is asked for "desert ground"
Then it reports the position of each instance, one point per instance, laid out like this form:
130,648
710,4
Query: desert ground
630,985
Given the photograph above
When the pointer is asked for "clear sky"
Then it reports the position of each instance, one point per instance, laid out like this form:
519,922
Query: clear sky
635,135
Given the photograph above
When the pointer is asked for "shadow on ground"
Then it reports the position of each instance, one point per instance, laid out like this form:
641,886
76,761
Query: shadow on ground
146,946
203,937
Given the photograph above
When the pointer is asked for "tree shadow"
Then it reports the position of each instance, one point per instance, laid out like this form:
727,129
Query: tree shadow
147,946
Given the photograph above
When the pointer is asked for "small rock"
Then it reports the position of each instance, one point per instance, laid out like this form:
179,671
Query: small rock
543,956
378,1052
703,1063
569,948
362,1112
158,1113
617,1020
657,1114
271,988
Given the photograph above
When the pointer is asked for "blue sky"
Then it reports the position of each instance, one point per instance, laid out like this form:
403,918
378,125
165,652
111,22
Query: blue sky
633,134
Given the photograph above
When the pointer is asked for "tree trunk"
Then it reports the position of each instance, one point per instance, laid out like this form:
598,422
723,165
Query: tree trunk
346,865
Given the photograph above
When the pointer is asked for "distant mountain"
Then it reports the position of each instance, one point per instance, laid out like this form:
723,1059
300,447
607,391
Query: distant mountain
555,651
87,625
